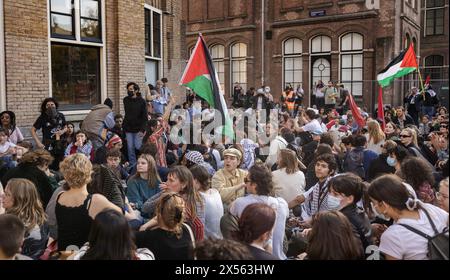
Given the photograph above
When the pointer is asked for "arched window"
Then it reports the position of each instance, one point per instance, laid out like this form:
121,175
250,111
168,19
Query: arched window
218,55
352,62
239,65
321,44
407,41
292,62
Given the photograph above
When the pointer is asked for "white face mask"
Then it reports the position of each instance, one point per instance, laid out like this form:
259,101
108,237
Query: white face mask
334,203
381,216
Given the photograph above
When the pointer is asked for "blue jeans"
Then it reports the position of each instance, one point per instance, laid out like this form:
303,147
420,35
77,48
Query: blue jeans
134,142
428,110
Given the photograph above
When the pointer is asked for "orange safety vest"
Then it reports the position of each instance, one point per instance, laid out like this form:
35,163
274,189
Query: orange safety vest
290,105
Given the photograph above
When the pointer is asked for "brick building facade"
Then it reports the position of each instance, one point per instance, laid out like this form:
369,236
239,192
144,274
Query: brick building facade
279,42
434,45
83,51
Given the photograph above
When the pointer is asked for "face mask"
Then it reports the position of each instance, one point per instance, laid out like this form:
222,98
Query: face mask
334,203
130,93
381,216
51,112
391,161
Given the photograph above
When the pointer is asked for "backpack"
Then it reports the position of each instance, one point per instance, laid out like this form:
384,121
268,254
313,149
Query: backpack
354,162
437,244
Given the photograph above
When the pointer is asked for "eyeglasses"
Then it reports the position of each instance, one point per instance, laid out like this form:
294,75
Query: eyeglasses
405,136
441,196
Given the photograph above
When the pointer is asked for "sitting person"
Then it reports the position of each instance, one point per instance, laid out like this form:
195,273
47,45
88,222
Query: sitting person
113,159
110,238
222,249
81,145
22,200
169,238
8,150
12,232
255,229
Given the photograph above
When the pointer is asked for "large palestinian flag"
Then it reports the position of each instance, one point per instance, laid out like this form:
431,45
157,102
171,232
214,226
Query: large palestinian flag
201,77
402,65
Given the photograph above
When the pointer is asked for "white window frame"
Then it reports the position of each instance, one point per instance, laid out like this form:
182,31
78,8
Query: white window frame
240,58
425,18
218,60
352,52
79,42
151,57
311,55
285,56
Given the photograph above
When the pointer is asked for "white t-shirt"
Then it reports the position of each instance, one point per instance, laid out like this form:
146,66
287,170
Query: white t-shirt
313,126
401,243
213,213
288,186
282,212
4,148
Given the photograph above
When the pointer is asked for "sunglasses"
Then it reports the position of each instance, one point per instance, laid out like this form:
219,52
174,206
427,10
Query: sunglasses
405,136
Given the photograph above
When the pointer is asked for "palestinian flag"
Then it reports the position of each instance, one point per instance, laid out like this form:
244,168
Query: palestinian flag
402,65
202,78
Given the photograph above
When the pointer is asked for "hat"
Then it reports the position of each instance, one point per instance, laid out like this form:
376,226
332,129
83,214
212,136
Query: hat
233,152
114,140
195,157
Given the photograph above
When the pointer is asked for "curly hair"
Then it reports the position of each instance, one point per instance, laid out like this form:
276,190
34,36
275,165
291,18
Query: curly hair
415,171
37,157
262,177
77,170
221,249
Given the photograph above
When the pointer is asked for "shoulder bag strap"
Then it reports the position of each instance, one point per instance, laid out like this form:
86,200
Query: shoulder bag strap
416,231
191,234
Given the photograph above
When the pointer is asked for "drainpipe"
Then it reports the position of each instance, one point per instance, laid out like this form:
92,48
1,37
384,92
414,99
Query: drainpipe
2,60
262,40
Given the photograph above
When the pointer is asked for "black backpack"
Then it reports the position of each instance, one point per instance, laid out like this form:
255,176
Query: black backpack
437,244
354,162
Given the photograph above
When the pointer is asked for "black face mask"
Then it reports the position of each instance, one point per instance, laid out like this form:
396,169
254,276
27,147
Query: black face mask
51,112
130,93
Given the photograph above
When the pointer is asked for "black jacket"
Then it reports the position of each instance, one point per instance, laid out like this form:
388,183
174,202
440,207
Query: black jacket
35,175
409,120
379,167
360,223
135,114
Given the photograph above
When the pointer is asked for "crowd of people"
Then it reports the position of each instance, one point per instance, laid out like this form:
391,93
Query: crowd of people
326,189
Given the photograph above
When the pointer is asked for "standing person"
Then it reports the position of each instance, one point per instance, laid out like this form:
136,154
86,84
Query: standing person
299,96
429,100
75,208
97,125
50,121
165,93
413,104
330,94
259,186
255,229
289,181
391,198
8,122
319,95
110,238
169,238
213,201
375,137
22,200
345,99
248,98
135,120
401,119
237,91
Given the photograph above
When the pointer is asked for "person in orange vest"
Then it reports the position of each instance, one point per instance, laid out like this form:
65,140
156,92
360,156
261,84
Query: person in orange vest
289,100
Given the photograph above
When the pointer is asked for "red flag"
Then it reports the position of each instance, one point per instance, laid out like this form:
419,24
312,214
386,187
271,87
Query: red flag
381,107
427,80
356,113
